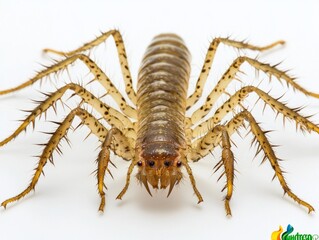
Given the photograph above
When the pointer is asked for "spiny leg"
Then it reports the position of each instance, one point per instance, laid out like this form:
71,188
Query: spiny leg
113,139
53,144
212,139
121,54
94,69
58,135
210,55
228,162
240,95
229,75
207,143
269,153
112,116
104,159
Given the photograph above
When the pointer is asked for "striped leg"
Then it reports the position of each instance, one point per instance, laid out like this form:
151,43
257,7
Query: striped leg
94,69
61,133
112,116
240,95
207,143
229,75
210,55
121,54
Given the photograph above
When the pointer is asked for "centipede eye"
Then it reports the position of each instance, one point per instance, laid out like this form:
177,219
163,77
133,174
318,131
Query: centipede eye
179,163
151,163
139,163
167,163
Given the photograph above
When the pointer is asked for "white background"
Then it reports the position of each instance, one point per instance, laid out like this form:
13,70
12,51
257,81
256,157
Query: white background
65,203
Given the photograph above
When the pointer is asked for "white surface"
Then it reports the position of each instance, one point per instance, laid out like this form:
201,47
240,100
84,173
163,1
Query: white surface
65,203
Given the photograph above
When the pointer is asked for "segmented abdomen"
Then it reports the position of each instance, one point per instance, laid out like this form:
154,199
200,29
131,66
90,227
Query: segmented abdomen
162,91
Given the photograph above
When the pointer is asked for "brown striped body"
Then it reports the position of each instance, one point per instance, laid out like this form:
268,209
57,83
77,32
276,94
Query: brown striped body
161,107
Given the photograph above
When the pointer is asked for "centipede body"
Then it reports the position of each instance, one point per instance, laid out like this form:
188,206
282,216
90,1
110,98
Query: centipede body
155,133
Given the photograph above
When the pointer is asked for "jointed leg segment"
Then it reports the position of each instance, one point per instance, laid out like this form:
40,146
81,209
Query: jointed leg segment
121,137
210,58
229,75
53,143
94,69
121,143
112,116
104,159
228,162
202,146
240,95
125,151
207,143
193,182
264,144
121,54
128,178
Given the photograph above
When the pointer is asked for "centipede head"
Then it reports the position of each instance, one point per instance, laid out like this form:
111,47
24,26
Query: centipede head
160,166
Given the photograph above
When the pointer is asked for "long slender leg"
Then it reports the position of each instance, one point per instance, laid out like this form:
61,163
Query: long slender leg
112,116
240,95
207,143
210,55
269,153
121,54
55,139
94,69
229,75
